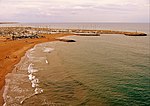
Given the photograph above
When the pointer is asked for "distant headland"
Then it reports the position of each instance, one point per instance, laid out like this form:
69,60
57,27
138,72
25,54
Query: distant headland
9,22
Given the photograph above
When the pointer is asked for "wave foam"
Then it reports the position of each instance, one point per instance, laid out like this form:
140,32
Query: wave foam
33,79
48,50
31,69
46,61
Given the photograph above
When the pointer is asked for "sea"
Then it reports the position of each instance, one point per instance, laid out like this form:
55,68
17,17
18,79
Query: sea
106,70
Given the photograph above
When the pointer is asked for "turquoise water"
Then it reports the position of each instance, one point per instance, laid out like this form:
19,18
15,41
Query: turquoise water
110,70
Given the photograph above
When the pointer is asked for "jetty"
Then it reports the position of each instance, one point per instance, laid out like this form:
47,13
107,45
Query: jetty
87,34
99,32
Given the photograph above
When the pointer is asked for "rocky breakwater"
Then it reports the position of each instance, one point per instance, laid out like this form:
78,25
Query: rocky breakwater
87,34
99,32
122,32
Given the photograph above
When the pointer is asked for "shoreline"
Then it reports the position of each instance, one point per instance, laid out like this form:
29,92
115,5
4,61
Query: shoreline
12,52
15,70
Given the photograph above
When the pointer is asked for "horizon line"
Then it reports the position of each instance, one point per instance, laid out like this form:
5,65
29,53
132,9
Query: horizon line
15,22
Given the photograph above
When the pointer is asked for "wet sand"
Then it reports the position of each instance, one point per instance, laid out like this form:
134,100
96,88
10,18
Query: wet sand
12,51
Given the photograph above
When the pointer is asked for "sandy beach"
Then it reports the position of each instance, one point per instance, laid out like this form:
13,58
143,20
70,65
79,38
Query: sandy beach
12,51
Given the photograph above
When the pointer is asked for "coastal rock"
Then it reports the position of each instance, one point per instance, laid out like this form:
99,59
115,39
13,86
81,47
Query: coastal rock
66,40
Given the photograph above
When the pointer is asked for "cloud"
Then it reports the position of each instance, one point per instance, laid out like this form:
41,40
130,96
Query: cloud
74,10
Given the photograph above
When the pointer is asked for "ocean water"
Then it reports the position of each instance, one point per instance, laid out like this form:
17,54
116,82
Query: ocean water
109,70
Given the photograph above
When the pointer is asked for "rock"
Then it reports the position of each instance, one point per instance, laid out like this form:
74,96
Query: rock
66,40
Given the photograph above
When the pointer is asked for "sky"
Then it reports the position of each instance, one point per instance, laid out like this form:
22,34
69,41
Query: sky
56,11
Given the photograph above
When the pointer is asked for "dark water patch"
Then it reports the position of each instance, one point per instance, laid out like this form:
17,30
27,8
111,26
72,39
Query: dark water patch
134,93
142,66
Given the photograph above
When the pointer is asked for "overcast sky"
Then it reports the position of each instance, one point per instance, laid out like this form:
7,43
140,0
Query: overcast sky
74,10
